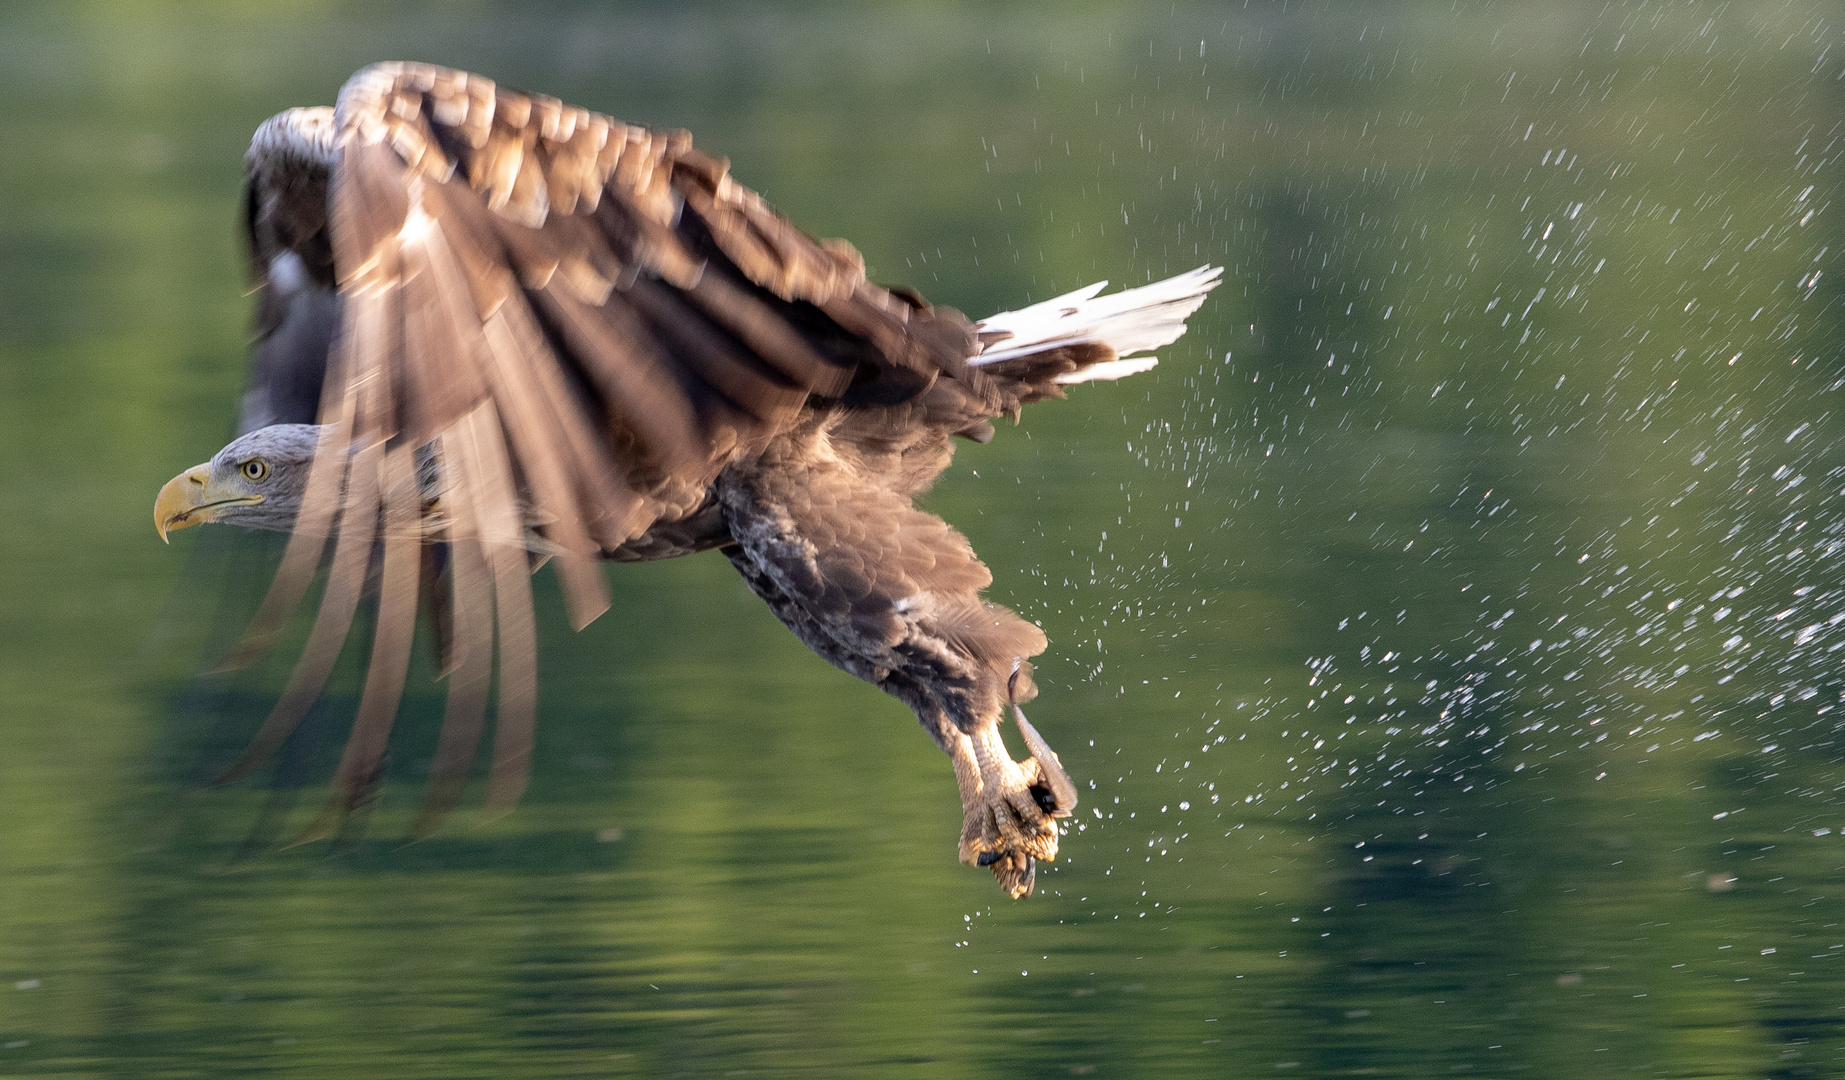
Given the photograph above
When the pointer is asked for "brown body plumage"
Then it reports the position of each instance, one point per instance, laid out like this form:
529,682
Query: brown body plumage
523,327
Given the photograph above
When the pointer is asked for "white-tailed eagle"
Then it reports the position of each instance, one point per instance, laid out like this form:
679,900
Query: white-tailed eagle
497,330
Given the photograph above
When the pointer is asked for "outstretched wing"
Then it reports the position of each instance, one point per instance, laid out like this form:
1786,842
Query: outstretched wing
570,323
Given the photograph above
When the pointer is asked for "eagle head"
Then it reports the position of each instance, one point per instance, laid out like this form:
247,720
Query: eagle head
256,481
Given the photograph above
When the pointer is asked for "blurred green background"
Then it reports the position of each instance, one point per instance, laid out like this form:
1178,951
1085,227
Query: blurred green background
1445,637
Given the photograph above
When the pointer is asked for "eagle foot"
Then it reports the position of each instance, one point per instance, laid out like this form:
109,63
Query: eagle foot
1008,823
1016,871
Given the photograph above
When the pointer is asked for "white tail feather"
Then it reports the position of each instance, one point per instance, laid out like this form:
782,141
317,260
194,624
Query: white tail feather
1131,321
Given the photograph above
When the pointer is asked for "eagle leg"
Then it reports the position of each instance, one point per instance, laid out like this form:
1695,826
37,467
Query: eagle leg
1014,818
891,594
1007,810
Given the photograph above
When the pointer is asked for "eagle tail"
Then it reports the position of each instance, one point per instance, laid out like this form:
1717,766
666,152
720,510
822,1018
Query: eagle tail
1086,337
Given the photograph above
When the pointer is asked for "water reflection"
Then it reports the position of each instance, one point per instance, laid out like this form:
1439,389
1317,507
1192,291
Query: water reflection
1448,629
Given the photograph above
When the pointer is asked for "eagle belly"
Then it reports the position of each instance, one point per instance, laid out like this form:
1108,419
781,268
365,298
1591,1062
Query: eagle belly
874,585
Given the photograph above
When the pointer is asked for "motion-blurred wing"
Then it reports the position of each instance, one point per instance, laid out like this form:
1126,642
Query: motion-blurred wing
570,323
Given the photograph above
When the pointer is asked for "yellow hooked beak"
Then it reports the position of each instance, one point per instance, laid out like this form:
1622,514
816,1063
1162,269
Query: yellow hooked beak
188,499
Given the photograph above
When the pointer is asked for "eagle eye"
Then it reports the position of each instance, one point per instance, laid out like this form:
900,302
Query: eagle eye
255,469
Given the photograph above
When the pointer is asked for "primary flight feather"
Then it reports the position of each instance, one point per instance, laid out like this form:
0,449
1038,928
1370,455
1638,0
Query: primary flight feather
497,330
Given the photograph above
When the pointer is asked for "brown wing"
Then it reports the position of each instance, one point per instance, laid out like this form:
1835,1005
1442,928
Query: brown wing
578,321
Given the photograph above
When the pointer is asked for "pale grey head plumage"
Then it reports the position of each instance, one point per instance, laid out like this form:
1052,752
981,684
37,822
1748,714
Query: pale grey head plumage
255,481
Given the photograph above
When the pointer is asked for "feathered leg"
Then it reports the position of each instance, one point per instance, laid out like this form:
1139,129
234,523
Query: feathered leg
891,594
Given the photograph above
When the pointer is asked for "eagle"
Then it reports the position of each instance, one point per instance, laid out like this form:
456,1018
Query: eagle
496,331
